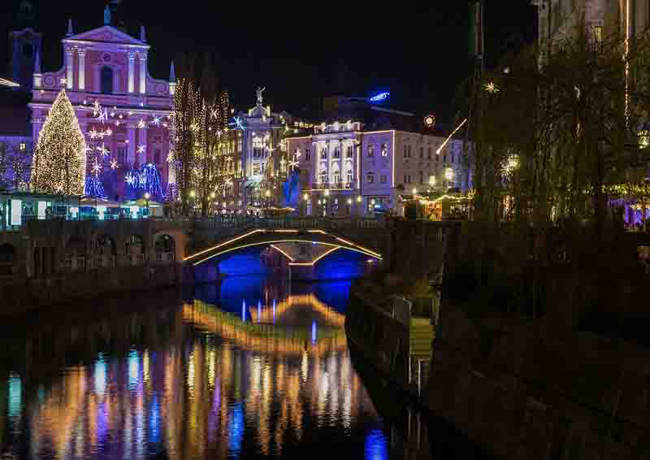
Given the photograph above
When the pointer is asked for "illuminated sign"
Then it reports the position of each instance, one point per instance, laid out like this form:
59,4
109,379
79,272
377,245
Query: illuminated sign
379,97
429,121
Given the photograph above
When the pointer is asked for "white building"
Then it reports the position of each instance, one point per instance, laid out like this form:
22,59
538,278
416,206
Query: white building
355,167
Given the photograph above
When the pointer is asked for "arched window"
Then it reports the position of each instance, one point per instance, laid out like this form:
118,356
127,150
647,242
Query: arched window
337,152
323,154
107,81
349,152
28,50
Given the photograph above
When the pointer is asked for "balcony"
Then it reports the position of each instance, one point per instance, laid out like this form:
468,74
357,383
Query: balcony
334,186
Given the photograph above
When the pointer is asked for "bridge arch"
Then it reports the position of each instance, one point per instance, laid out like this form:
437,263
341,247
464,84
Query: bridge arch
266,237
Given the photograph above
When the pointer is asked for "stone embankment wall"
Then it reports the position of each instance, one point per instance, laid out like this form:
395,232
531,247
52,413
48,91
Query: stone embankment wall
526,390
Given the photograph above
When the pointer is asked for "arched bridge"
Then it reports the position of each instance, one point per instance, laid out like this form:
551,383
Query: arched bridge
301,241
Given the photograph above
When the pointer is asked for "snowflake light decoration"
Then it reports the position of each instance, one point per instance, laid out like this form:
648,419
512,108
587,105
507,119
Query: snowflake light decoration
64,81
114,164
97,168
103,150
491,88
130,179
141,124
92,133
142,149
156,121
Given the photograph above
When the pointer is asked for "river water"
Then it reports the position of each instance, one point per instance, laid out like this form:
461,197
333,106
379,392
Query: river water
255,367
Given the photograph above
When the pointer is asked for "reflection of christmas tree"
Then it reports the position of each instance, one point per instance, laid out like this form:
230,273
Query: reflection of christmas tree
145,180
60,158
94,187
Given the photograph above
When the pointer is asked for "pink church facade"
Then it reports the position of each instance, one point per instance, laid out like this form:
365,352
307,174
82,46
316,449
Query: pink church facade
106,68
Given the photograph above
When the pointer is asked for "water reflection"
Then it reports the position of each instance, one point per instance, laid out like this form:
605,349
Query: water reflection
194,381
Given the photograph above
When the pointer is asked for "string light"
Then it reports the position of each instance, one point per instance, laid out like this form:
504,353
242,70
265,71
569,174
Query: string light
59,164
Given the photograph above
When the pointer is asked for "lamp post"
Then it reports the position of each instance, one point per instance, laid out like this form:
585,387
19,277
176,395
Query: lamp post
147,196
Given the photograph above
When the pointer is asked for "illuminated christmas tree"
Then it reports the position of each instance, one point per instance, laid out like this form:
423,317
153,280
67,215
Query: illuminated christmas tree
59,165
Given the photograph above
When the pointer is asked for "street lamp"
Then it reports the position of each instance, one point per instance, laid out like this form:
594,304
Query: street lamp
415,192
147,196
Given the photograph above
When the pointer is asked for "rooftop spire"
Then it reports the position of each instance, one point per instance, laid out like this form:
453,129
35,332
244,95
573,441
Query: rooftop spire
143,35
107,16
172,73
70,32
37,61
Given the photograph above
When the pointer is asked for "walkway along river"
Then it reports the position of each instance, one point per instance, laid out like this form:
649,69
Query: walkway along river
254,367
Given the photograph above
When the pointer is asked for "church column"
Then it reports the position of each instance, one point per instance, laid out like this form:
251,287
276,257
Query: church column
82,69
143,73
131,55
69,58
131,146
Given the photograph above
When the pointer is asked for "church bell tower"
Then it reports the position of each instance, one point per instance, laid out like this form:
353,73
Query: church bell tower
25,46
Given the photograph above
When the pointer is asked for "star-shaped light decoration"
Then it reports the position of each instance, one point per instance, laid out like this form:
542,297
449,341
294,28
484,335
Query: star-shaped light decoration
214,114
108,132
297,154
293,165
491,88
117,123
142,148
92,133
141,124
156,121
228,182
64,81
239,124
114,164
103,150
164,125
103,116
170,157
97,105
97,168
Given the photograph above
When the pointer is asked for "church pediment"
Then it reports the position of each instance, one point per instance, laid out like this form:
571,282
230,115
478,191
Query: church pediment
106,34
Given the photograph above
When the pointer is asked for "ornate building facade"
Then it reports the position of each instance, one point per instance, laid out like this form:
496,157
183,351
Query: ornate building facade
124,112
363,164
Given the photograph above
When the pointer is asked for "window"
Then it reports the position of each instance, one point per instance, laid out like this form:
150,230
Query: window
157,139
452,157
337,152
371,150
384,150
422,177
383,179
371,178
349,176
307,155
349,151
107,81
406,151
156,156
337,177
121,154
323,154
598,34
407,178
428,153
323,177
421,152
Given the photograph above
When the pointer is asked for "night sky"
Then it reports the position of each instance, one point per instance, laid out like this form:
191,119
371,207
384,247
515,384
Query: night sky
299,51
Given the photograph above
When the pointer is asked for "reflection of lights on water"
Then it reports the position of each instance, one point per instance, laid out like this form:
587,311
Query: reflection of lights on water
133,369
273,311
190,373
145,366
313,332
154,421
100,375
236,430
243,310
15,395
102,422
212,364
259,311
304,366
376,446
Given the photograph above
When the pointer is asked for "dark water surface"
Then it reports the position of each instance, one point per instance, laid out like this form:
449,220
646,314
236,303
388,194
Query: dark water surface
252,368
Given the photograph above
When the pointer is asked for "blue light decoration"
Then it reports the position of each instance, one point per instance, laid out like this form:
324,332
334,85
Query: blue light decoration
94,187
150,181
291,189
380,97
144,180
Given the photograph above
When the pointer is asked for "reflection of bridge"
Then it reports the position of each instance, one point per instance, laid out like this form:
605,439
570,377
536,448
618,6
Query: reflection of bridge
264,337
299,246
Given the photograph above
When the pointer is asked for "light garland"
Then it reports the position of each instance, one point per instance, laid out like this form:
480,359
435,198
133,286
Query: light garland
59,164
